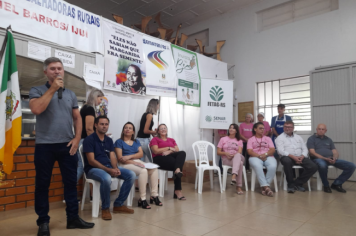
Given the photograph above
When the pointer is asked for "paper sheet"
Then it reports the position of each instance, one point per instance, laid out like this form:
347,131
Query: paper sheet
93,72
149,165
92,83
38,51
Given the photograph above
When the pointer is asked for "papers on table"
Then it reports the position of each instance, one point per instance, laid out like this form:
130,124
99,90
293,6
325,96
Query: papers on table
149,165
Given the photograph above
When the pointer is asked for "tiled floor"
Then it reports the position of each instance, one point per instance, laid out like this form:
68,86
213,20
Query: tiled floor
211,213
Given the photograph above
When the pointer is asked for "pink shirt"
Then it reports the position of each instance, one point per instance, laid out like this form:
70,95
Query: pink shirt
246,130
162,144
229,145
267,127
260,145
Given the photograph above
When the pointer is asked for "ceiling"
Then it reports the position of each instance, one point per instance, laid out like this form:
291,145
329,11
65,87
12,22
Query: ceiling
174,12
31,74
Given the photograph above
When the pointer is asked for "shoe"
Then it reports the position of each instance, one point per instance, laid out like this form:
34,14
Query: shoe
181,198
338,188
43,230
123,209
299,188
327,189
156,201
291,190
143,204
78,223
105,214
233,182
177,175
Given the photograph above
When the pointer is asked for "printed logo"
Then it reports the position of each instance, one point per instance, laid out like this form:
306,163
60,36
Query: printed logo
208,118
157,60
11,105
216,93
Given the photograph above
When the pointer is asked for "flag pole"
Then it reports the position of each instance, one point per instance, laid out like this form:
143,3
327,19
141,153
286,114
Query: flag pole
4,44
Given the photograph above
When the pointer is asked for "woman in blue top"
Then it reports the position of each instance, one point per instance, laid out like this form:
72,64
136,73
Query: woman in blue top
129,151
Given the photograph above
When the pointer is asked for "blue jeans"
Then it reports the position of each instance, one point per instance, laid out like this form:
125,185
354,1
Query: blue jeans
80,168
105,185
347,167
257,165
45,157
144,145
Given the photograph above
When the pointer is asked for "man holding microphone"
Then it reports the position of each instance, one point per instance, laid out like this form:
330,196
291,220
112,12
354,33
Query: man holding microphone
56,109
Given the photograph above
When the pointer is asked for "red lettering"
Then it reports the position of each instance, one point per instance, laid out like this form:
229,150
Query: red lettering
26,13
42,18
81,32
74,31
49,21
13,10
0,4
55,23
34,16
86,34
7,6
63,26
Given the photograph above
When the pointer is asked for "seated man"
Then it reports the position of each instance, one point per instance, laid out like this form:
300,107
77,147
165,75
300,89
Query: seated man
293,151
101,165
323,152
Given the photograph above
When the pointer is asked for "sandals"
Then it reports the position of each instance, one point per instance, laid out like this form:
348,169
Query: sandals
143,204
239,192
269,192
156,201
181,198
233,182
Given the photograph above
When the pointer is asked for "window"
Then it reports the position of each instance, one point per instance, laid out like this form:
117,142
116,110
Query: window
293,11
292,92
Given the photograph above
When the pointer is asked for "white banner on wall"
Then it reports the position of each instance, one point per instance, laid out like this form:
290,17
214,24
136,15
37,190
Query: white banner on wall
216,103
188,85
54,20
125,69
161,79
211,68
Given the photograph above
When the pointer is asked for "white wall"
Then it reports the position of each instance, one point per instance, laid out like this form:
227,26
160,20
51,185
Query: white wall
286,51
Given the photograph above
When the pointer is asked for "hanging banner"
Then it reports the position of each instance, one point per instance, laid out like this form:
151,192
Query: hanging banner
125,69
55,21
161,79
216,108
188,86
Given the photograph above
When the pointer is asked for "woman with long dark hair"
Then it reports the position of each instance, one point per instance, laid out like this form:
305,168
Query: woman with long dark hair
261,150
134,83
230,149
129,151
166,154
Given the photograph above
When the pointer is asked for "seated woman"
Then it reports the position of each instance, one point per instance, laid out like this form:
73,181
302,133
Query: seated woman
129,151
230,149
261,150
166,154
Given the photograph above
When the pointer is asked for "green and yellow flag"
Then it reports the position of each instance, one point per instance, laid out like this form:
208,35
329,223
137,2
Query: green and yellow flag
10,106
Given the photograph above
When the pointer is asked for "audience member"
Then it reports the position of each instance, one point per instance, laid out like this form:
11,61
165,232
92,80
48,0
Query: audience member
245,134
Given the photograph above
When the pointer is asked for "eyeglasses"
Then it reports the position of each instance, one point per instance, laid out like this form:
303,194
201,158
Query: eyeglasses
162,128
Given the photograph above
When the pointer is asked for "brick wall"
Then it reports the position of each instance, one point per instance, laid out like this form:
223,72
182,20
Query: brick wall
20,188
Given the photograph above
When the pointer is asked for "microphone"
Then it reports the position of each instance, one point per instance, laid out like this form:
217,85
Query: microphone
60,90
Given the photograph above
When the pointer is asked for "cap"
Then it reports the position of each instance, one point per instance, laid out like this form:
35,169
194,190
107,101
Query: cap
262,114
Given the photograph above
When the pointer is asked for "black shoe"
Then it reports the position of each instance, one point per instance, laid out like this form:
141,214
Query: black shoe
338,188
143,204
156,201
327,189
79,224
43,230
290,190
177,175
299,188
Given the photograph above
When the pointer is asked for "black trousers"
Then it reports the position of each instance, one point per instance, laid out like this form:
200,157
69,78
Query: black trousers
45,157
245,154
309,169
172,162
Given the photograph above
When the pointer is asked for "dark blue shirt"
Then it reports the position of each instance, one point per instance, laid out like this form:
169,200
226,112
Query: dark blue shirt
127,149
274,118
101,150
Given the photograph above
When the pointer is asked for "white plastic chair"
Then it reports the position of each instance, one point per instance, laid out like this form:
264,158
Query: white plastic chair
204,164
284,179
253,181
225,169
319,184
163,178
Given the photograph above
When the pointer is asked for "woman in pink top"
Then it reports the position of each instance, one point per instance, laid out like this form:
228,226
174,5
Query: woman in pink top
245,134
166,154
261,150
261,117
230,149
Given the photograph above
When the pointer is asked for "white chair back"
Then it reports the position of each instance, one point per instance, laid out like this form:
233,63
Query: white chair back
203,156
81,156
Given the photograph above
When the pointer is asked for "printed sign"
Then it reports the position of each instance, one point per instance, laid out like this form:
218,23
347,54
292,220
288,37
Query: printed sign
125,69
216,107
55,21
161,79
93,72
186,65
68,59
38,51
